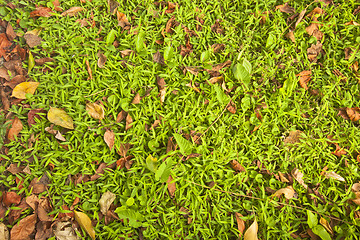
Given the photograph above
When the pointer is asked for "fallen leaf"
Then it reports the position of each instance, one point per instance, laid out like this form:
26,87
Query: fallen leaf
326,225
16,127
121,116
288,192
39,185
60,117
95,110
41,12
4,232
290,35
301,16
237,166
102,60
251,232
24,228
9,198
101,170
314,51
217,28
22,89
85,223
352,23
170,7
126,52
57,6
283,178
353,113
315,11
112,6
42,61
231,107
304,78
171,186
122,20
335,176
299,177
64,231
10,32
129,122
15,81
109,138
136,99
240,223
294,137
338,151
192,70
105,201
34,114
158,58
88,69
60,137
4,74
32,40
72,11
14,169
285,8
217,47
4,99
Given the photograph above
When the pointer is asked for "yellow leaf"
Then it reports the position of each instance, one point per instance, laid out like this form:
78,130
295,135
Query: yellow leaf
288,192
251,232
23,88
60,117
95,110
85,223
326,225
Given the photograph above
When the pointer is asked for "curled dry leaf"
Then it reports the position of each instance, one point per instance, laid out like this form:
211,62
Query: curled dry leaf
304,79
23,88
217,47
217,28
285,8
64,231
335,176
251,232
240,223
105,201
88,68
353,113
352,23
85,223
24,228
15,129
192,70
171,186
326,225
237,166
41,12
122,20
299,177
102,60
59,117
109,138
283,178
95,110
339,151
72,11
314,51
294,137
288,192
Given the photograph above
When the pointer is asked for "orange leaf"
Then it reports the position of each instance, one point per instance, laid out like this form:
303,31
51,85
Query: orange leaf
305,77
23,88
237,166
122,19
41,12
353,113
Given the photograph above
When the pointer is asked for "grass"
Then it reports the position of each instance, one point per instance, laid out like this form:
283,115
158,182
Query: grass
275,61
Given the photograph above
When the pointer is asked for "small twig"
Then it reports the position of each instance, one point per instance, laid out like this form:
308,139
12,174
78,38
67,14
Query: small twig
262,199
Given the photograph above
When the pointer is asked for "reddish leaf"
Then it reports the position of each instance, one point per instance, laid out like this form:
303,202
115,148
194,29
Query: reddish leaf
240,223
41,12
24,228
57,6
122,20
10,32
34,114
237,166
11,198
15,129
121,116
88,69
305,77
101,169
231,107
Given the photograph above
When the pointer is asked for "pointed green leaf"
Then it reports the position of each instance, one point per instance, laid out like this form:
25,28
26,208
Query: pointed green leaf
321,232
31,62
111,37
163,172
185,145
312,219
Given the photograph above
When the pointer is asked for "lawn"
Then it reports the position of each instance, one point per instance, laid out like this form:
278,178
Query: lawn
179,120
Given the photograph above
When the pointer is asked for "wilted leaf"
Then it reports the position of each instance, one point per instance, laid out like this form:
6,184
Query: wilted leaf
95,110
136,99
217,28
122,20
231,107
60,117
217,47
105,201
240,223
22,89
353,113
294,137
290,35
16,127
121,116
72,11
112,6
335,176
251,232
301,16
32,40
126,52
299,177
192,70
64,231
314,51
24,228
237,166
85,223
283,178
338,151
102,60
109,138
305,77
158,58
10,32
41,12
42,61
11,198
4,232
88,68
171,186
285,8
326,225
288,192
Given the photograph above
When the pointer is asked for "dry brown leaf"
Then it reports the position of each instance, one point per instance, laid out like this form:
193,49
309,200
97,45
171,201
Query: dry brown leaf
109,138
217,47
231,107
299,177
285,8
326,225
22,89
64,231
32,40
126,52
240,224
335,176
352,23
290,35
124,148
15,129
294,137
88,68
95,110
105,201
314,51
10,32
304,78
193,70
353,113
112,6
24,228
4,74
85,223
122,20
129,122
301,16
171,186
283,178
121,116
60,137
339,151
158,58
4,99
57,6
9,198
15,81
136,99
355,187
316,11
42,61
60,117
41,12
217,28
288,192
237,166
251,232
102,60
72,11
4,232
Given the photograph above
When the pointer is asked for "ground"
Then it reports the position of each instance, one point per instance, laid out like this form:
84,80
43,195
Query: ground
179,120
